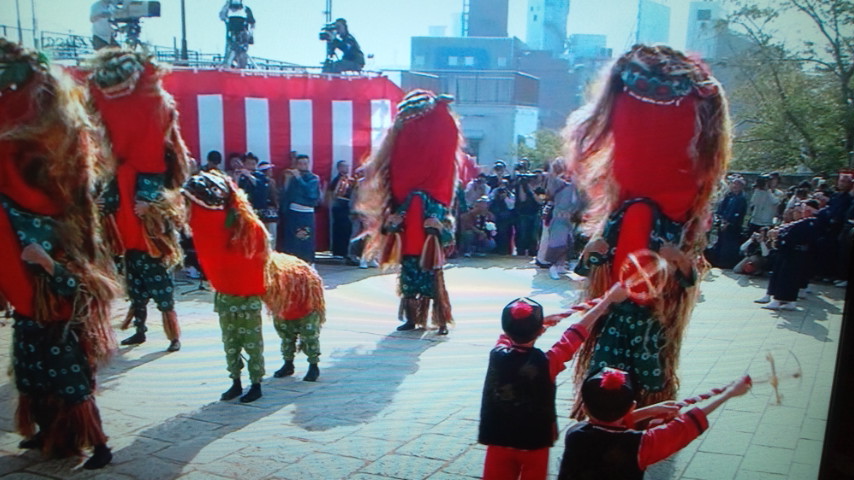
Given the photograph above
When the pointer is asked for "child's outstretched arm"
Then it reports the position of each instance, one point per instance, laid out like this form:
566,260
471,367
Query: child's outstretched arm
572,338
660,442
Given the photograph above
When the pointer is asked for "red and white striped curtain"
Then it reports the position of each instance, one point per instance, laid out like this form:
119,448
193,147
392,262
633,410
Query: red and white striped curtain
327,118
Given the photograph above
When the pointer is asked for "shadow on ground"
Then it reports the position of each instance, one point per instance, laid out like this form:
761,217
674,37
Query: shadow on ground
358,385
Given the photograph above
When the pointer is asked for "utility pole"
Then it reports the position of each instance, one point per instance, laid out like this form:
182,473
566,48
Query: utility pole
328,11
20,32
35,26
183,32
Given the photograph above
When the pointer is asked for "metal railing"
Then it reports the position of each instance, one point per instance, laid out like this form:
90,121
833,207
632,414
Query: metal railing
73,48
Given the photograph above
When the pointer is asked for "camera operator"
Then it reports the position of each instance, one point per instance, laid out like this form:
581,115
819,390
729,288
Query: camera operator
240,26
527,210
338,37
103,33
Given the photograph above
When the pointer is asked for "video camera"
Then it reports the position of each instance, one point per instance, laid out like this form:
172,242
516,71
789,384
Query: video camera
328,32
129,11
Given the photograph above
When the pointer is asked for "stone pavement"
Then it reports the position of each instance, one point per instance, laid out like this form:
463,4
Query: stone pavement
392,405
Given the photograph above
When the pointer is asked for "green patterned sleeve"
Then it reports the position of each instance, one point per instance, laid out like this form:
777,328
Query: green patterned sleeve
149,187
63,282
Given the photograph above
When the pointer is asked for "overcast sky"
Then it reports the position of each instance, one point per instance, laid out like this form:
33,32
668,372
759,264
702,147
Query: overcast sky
287,29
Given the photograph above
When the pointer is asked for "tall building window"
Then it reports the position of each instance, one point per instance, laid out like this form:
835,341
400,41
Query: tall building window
469,61
453,61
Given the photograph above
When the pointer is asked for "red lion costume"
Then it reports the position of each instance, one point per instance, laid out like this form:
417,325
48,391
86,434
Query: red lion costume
56,273
409,193
649,152
143,207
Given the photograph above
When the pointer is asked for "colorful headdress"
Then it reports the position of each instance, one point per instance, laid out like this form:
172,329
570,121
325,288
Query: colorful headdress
608,394
418,103
522,320
655,74
208,190
117,72
17,65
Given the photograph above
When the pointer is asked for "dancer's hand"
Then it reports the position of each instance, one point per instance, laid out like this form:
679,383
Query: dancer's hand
663,412
393,220
555,318
434,223
35,254
599,246
675,257
739,387
617,293
140,208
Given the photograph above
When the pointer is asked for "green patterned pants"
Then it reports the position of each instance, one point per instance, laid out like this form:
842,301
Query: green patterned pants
240,321
631,340
307,329
147,278
414,281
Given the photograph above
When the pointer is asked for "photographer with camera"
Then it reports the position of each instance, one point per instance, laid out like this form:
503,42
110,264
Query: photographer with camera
103,32
239,32
527,209
338,37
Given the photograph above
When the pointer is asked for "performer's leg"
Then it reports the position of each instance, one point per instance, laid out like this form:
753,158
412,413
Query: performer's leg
139,295
55,382
288,333
309,333
159,284
253,344
441,305
231,344
500,464
417,288
535,464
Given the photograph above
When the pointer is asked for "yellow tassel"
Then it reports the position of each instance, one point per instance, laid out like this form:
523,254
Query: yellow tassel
290,280
392,251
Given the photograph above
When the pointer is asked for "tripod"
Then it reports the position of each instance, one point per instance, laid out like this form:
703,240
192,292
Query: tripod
199,288
192,260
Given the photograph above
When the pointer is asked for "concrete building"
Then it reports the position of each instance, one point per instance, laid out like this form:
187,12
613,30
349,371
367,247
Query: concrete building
546,25
703,35
486,18
653,23
496,102
587,55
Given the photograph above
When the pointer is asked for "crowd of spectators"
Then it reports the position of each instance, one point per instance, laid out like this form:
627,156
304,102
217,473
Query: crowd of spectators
799,235
526,212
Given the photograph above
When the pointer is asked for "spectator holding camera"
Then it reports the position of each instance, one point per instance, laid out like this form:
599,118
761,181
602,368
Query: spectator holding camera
476,188
756,253
499,174
477,229
103,33
763,206
502,204
527,210
240,27
338,37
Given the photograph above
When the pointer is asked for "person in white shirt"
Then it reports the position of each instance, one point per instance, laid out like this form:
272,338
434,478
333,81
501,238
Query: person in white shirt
763,206
103,33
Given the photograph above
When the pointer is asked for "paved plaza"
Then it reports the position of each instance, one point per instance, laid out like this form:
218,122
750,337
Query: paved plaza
405,405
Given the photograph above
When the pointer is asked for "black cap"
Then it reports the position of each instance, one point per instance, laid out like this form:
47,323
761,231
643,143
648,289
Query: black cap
522,320
608,394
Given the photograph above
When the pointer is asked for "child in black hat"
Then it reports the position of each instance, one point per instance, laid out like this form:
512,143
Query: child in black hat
518,422
605,446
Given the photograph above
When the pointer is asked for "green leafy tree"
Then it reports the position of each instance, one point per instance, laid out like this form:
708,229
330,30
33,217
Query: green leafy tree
547,147
794,105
